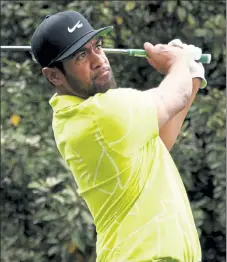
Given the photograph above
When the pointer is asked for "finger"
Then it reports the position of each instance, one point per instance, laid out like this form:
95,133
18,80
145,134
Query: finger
187,47
151,49
194,52
198,53
159,46
175,42
148,46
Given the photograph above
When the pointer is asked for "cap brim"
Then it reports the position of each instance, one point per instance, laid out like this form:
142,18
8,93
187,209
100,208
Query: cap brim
81,42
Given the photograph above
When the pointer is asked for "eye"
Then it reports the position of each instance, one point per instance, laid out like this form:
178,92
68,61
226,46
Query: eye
81,56
99,45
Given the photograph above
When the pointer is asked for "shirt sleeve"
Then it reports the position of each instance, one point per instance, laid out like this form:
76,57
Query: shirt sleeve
125,119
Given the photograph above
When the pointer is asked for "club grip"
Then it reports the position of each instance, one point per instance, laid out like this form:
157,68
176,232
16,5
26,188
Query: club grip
204,59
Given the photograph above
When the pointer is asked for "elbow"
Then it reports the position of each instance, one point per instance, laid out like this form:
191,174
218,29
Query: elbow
185,100
186,96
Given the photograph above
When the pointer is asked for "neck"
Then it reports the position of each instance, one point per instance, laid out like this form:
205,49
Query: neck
61,91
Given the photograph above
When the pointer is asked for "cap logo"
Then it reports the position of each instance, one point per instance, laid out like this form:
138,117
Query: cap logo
77,25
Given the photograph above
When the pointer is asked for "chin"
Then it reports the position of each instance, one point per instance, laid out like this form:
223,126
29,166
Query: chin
106,88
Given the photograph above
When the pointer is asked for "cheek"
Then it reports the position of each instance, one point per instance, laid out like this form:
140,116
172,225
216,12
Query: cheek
82,73
78,71
106,60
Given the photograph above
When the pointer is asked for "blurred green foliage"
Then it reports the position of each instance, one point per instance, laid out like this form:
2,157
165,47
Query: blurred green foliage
42,217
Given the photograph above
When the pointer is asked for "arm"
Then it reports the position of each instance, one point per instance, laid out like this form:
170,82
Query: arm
173,93
129,118
170,131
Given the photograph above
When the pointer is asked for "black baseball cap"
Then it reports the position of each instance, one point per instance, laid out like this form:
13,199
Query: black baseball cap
62,34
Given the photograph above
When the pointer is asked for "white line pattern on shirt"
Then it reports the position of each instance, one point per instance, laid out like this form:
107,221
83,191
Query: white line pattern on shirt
111,160
127,132
97,168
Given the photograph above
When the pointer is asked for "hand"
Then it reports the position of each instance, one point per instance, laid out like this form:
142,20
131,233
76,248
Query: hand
196,68
164,57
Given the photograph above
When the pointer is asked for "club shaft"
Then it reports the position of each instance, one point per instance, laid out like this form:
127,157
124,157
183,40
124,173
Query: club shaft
205,58
28,48
16,48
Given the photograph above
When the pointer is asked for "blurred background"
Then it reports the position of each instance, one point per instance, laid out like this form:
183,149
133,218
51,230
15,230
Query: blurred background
42,217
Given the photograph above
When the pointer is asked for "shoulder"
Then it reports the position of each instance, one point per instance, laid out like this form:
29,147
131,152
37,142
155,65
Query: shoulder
115,100
112,113
121,116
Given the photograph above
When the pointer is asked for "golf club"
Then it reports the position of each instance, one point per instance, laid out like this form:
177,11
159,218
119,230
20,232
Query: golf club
205,58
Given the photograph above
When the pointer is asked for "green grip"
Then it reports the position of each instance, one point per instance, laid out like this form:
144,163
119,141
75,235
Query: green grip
205,58
137,52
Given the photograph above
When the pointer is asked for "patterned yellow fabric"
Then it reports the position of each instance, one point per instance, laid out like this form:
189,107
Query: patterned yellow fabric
127,177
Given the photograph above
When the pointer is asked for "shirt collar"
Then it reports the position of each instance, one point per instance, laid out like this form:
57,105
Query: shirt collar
59,102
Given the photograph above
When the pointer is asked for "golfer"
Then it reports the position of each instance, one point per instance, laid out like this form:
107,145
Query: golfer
116,141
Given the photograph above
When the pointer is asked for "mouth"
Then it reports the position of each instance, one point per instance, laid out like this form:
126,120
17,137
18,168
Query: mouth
103,74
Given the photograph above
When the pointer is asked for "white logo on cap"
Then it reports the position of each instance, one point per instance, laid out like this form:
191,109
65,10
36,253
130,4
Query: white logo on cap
78,25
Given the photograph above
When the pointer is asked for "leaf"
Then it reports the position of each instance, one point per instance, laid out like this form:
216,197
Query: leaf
53,181
41,200
216,50
15,120
129,6
200,32
220,21
72,214
105,11
106,3
60,199
71,247
50,216
181,13
76,238
34,185
119,20
87,218
171,6
191,20
33,141
53,250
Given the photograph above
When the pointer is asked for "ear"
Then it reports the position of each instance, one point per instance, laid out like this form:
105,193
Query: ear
54,75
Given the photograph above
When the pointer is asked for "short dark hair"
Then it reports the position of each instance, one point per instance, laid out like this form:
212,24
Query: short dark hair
58,65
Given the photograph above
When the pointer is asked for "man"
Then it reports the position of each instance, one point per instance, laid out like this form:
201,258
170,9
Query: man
116,141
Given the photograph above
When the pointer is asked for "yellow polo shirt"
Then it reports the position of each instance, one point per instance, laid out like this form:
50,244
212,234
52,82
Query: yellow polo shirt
127,177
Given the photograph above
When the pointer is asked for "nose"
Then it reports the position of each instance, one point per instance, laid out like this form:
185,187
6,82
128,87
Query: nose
97,60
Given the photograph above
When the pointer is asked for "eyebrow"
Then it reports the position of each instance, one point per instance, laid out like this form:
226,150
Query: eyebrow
98,39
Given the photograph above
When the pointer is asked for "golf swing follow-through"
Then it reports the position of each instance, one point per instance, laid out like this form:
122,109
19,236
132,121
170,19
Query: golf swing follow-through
116,141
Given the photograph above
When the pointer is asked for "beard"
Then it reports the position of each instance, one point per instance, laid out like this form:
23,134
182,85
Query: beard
103,87
85,91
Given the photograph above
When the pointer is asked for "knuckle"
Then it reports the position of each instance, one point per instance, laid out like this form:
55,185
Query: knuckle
159,46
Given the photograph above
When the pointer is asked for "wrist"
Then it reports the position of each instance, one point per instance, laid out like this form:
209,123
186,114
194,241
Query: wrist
181,64
199,79
197,72
196,83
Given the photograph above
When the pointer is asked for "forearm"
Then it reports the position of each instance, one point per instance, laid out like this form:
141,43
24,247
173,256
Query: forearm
170,131
173,93
178,82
